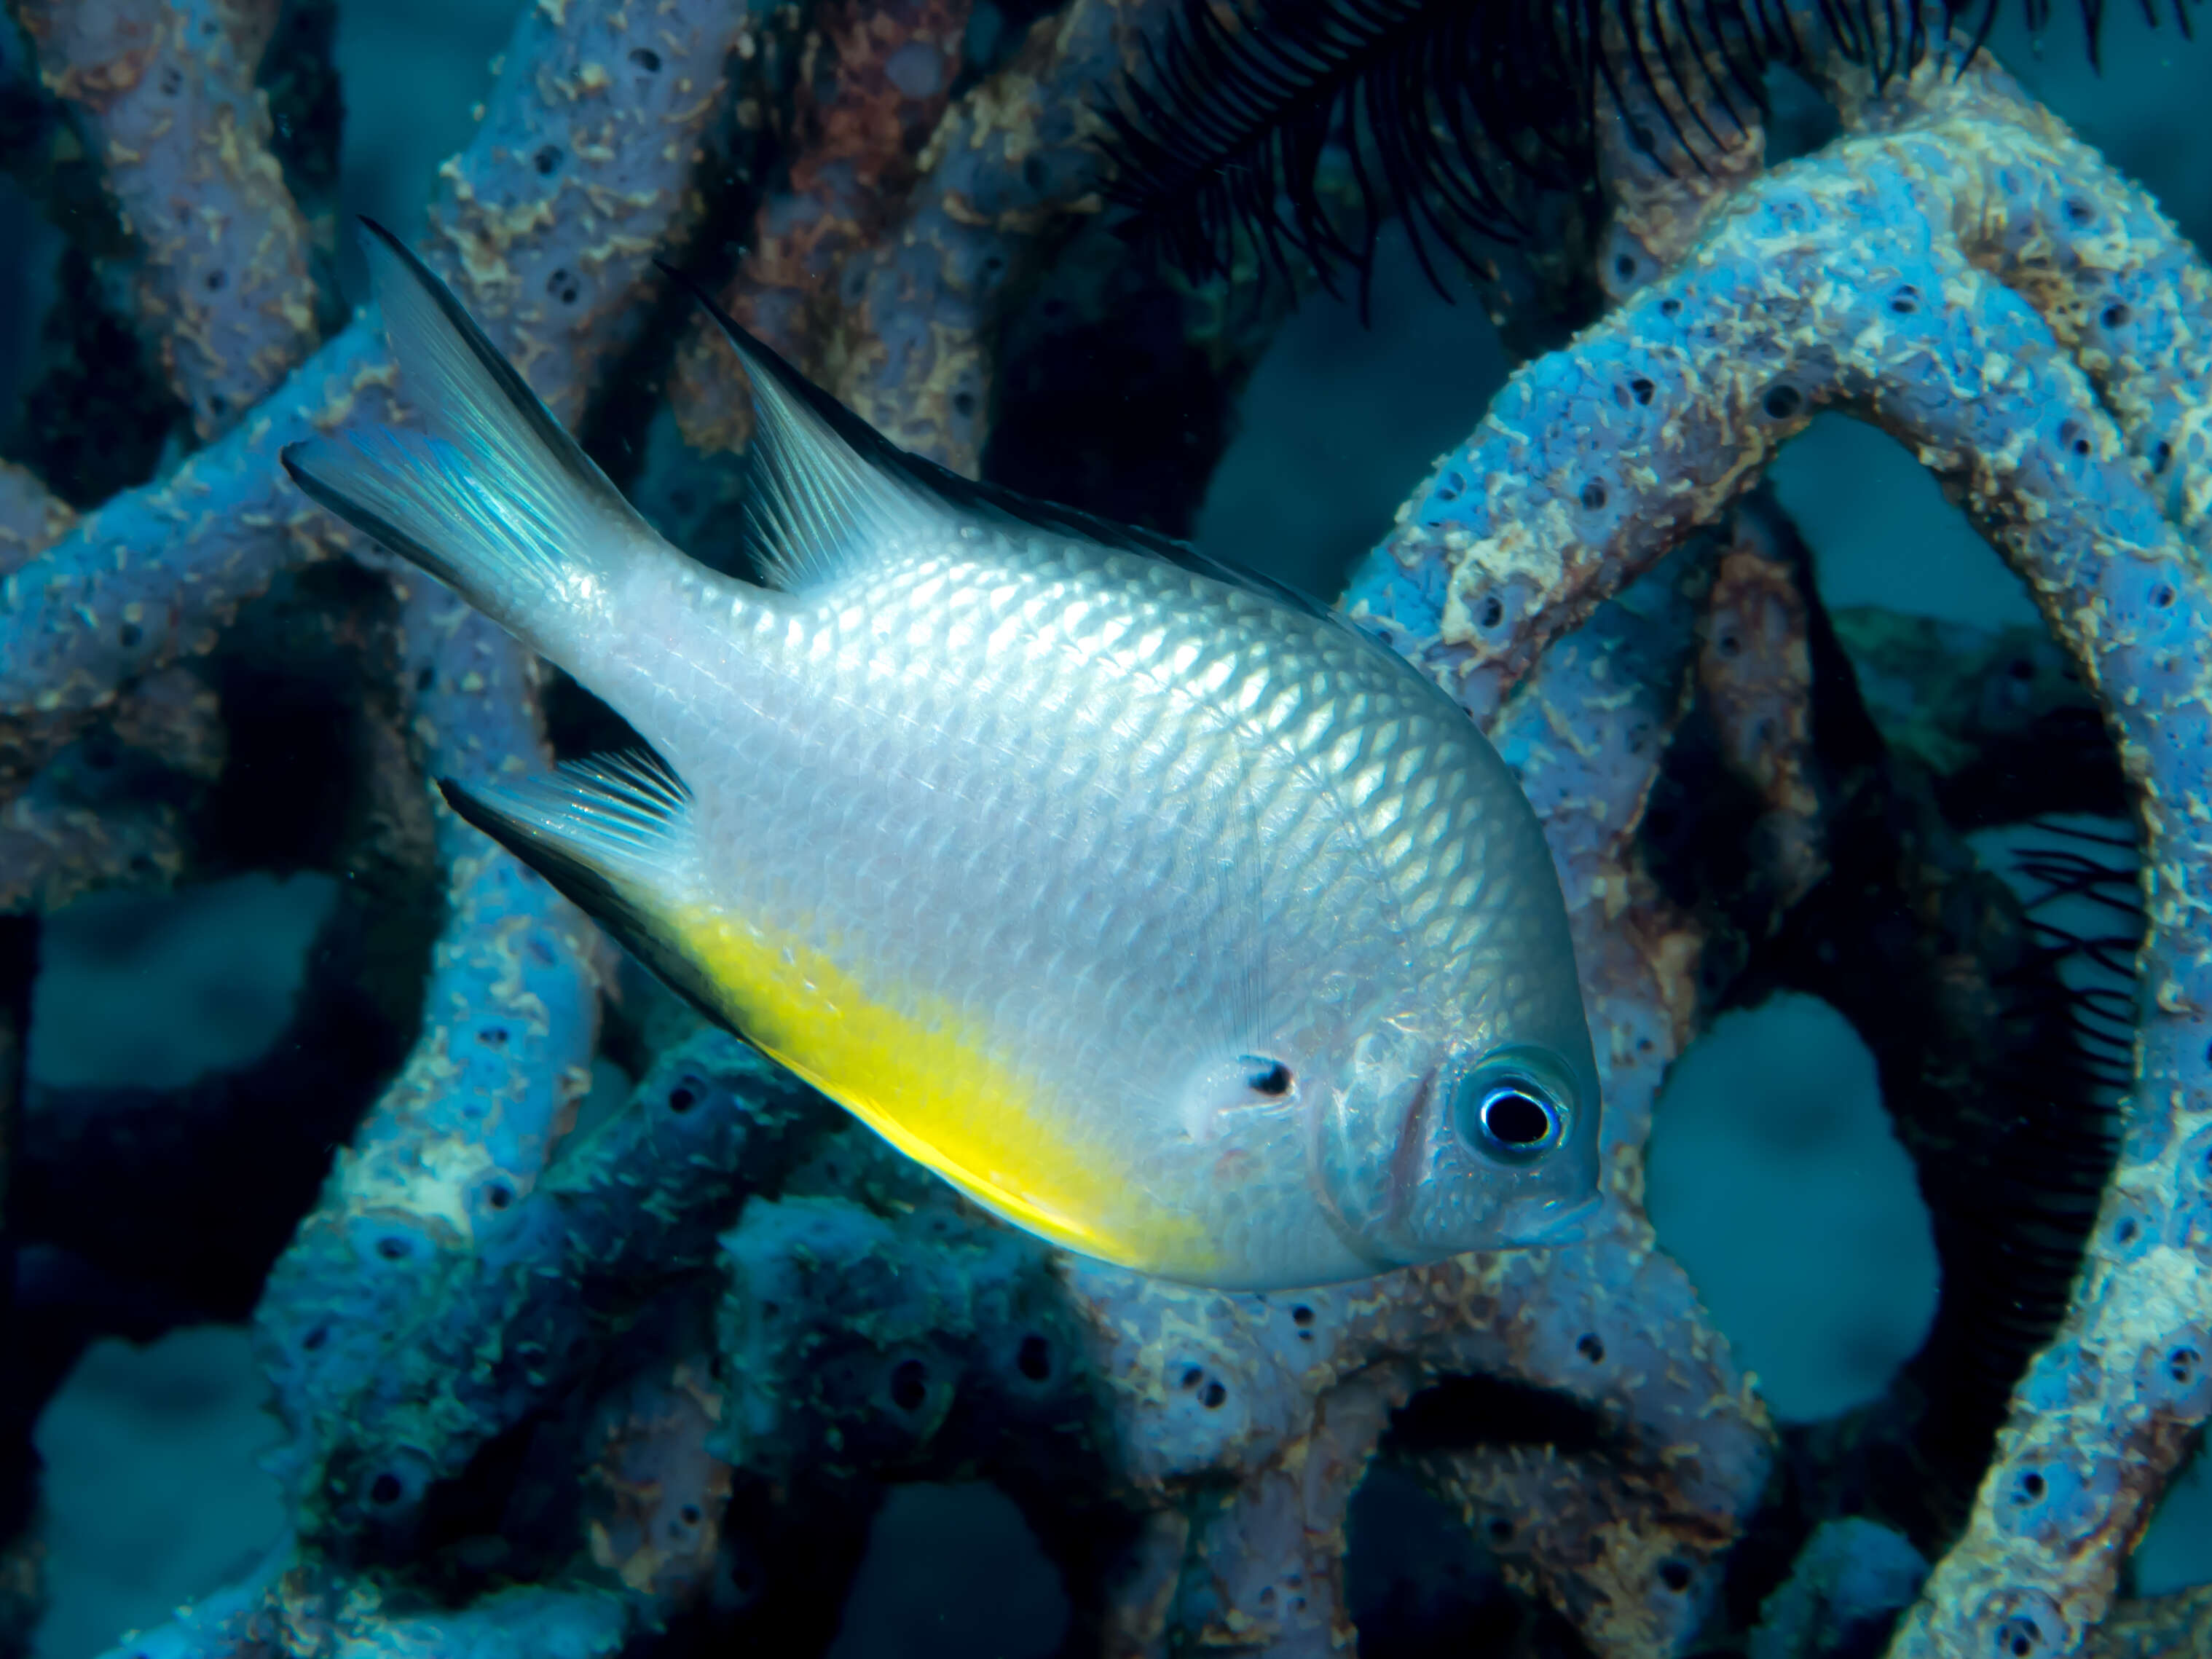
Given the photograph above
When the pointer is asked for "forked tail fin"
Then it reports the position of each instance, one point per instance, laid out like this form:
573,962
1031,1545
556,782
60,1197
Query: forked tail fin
494,498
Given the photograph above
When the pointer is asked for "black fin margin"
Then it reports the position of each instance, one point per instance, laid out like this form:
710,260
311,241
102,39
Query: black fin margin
590,892
559,442
441,497
988,501
298,461
1010,508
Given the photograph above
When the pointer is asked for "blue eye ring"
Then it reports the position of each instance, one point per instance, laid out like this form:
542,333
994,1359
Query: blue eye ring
1514,1106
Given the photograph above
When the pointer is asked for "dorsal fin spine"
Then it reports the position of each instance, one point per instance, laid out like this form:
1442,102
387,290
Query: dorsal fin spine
918,490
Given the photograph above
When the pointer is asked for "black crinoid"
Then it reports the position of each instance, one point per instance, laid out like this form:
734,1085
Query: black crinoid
1454,115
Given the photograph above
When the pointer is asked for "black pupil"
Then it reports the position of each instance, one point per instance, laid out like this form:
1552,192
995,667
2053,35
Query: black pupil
1514,1119
1267,1077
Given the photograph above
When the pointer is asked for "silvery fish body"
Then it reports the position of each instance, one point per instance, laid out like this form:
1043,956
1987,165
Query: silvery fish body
1168,916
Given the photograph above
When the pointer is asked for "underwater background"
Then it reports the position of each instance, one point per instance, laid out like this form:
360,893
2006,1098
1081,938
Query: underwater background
1774,1177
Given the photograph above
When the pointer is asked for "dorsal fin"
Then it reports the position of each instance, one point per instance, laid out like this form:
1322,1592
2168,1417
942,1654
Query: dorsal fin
823,479
827,489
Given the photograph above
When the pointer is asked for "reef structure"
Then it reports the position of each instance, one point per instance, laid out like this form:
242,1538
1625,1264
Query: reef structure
589,1387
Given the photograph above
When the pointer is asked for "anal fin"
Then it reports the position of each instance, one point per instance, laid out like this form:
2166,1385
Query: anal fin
613,836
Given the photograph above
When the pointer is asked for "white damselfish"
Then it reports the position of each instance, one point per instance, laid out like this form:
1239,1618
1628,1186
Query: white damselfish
1161,912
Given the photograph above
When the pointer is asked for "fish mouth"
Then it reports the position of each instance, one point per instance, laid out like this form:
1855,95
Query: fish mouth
1540,1224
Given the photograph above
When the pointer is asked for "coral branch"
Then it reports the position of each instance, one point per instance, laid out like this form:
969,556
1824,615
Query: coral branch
2128,297
154,574
164,95
890,74
1849,279
635,1208
892,297
1273,1551
1006,171
2105,1412
546,223
1586,735
2156,1626
1755,673
2007,1121
109,811
511,1019
280,1611
1598,457
32,518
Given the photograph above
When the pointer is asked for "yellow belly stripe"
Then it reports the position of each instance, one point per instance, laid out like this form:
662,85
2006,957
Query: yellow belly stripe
926,1082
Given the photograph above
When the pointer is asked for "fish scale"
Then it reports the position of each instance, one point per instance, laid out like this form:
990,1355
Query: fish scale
1162,913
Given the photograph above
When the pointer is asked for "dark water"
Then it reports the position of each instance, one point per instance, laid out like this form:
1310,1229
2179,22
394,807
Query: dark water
1774,1176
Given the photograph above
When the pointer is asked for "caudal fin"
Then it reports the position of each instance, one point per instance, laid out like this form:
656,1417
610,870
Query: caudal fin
494,498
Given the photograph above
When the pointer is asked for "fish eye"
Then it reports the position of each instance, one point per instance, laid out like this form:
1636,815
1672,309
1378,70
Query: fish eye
1512,1118
1508,1109
1263,1076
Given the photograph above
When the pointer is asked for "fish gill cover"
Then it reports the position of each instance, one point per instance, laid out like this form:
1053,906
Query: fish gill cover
633,1373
